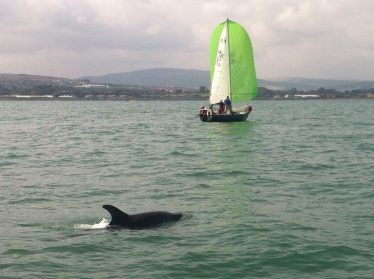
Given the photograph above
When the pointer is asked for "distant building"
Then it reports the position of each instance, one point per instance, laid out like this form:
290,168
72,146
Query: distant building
33,96
65,96
306,96
91,85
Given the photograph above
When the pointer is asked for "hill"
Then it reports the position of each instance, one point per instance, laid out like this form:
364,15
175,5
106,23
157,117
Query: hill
195,78
166,77
308,84
170,84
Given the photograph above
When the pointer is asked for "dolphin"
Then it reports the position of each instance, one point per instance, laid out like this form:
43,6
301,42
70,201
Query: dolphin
144,220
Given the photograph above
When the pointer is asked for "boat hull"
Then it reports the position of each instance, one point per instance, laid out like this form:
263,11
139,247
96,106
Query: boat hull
224,117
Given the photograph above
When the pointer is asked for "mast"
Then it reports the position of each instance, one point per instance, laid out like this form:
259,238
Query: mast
228,48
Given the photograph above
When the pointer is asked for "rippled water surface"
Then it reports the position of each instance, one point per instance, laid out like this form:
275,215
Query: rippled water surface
287,194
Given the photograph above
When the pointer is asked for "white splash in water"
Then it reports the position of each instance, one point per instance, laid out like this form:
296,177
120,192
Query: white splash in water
102,225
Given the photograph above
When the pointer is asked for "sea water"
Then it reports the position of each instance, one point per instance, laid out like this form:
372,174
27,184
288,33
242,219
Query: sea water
286,194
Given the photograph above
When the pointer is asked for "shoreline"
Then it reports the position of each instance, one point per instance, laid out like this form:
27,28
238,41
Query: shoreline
54,99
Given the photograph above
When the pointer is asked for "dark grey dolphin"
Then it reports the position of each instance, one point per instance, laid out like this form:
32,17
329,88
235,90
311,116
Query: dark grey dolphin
141,220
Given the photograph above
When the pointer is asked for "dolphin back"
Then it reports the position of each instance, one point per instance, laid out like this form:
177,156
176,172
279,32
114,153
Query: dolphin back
140,220
152,219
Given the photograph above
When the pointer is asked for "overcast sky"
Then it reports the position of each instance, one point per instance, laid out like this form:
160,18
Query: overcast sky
73,38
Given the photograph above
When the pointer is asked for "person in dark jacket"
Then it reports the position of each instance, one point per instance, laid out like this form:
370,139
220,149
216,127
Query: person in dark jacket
227,103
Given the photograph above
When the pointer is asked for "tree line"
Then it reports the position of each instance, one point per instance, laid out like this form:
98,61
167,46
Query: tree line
141,92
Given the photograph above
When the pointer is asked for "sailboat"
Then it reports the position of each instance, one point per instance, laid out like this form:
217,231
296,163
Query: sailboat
232,72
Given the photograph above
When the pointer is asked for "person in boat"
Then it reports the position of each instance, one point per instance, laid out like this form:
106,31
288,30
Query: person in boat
221,107
203,110
227,103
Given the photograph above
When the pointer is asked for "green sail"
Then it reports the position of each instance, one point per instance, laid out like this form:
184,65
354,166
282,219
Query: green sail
243,81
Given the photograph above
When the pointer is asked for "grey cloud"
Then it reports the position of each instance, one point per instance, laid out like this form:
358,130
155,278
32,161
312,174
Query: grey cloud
77,28
290,37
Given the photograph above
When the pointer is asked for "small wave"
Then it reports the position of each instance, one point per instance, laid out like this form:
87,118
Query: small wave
102,225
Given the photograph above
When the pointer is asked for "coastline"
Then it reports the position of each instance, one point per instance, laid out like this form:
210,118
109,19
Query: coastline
166,98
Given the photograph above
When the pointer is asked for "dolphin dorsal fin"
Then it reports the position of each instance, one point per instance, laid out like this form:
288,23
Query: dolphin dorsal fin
118,217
